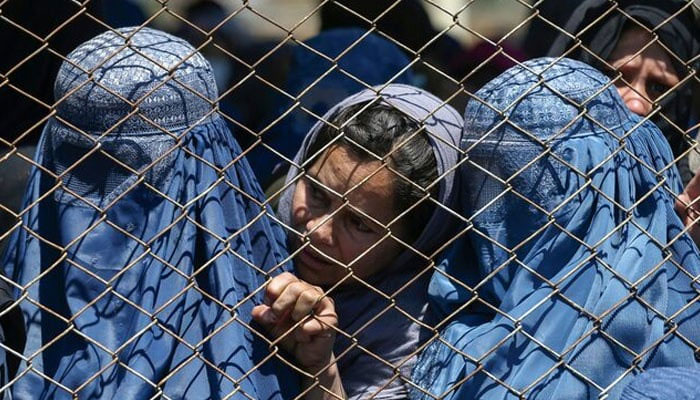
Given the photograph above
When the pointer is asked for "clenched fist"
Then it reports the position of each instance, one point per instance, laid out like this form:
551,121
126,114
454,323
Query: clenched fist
304,320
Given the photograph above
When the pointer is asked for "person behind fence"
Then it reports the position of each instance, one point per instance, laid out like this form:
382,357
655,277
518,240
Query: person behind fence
144,243
650,48
367,202
576,272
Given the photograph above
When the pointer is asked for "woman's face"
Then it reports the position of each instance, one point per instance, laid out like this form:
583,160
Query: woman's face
328,207
647,75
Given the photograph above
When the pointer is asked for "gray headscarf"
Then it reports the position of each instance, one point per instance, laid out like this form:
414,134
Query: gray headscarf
376,321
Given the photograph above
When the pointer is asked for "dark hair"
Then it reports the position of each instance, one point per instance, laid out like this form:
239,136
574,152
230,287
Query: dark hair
380,131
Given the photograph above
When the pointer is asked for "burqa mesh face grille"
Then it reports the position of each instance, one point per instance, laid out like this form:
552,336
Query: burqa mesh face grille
348,199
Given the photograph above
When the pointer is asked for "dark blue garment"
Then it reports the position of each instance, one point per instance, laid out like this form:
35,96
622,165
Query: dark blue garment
665,384
12,334
144,242
6,301
123,13
323,71
576,271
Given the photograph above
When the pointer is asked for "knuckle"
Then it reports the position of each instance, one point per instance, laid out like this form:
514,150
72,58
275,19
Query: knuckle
331,321
278,308
286,276
276,285
297,287
310,296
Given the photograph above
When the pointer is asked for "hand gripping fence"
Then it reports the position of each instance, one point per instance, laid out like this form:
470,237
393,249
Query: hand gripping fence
166,166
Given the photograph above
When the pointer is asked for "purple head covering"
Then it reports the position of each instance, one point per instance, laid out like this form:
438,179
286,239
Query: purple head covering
392,336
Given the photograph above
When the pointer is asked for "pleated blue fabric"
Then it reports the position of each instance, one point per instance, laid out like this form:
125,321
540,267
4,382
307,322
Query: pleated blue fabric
144,243
576,273
664,384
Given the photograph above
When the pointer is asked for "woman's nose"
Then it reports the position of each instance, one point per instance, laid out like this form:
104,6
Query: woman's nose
320,230
635,97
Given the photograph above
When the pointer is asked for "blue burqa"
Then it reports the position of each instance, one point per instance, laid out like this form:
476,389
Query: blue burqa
575,273
664,384
143,244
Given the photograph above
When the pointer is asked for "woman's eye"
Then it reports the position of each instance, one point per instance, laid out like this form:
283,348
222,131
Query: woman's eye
656,89
317,193
359,224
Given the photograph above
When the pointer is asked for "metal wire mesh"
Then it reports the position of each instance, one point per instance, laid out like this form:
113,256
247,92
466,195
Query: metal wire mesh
249,103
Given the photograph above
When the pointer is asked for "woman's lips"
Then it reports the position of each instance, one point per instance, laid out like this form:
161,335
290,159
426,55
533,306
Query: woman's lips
311,259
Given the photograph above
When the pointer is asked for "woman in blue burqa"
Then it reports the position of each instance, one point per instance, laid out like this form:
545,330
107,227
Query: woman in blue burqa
143,241
576,273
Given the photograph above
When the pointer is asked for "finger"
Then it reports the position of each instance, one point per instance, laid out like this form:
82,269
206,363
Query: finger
693,187
325,310
323,321
277,285
306,302
275,327
315,327
681,205
687,208
283,305
316,330
263,315
683,200
688,203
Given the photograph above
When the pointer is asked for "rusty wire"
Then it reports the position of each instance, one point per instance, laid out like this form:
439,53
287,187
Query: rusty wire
417,60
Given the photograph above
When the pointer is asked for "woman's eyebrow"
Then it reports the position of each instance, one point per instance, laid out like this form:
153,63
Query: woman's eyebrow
313,179
363,217
316,182
374,219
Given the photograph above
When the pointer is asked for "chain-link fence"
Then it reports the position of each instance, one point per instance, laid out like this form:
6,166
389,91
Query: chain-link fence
285,202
